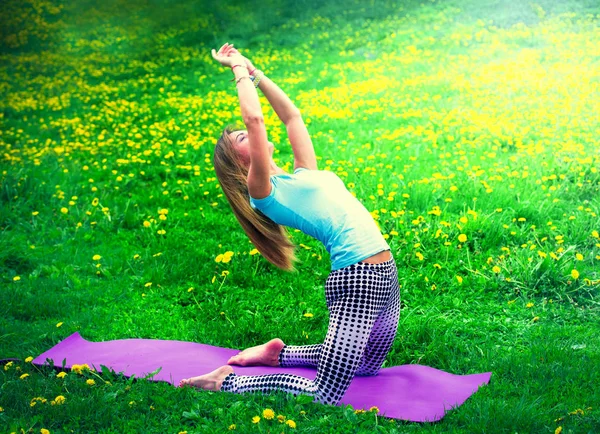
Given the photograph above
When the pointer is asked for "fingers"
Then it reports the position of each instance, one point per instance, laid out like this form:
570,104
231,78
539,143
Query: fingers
226,50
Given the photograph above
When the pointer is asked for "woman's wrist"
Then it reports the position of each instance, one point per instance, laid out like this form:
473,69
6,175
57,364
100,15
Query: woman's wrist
240,71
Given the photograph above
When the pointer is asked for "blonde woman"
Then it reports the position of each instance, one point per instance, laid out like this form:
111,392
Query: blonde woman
362,291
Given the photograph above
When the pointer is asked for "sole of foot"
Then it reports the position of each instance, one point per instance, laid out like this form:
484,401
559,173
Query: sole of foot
211,381
262,355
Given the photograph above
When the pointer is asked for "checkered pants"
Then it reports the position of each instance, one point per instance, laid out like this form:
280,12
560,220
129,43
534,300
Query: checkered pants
364,307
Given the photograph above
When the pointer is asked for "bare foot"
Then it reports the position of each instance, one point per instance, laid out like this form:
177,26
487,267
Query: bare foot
263,355
211,381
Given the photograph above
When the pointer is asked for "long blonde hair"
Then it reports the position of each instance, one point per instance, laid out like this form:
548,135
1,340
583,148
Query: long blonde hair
269,238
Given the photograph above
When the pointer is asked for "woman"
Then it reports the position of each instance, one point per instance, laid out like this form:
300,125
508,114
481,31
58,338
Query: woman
362,290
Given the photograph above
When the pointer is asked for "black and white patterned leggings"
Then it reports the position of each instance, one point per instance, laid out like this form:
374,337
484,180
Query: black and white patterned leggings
364,306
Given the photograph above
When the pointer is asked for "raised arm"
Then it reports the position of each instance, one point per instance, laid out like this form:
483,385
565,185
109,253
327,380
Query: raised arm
259,184
302,146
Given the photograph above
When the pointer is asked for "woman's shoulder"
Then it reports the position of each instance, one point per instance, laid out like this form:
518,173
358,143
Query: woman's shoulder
287,174
300,169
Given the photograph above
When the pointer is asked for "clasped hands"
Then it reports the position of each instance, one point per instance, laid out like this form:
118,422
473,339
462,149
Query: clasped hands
229,56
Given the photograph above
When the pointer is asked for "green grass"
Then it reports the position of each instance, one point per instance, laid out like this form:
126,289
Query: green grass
443,117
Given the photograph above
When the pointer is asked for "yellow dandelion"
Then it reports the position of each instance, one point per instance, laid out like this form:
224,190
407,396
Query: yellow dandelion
290,423
80,368
161,232
268,414
462,238
374,409
16,278
496,269
529,305
35,213
24,376
253,251
44,431
95,202
90,382
281,418
256,419
59,324
28,359
231,427
146,224
64,210
148,285
308,315
61,374
96,257
579,256
575,274
558,430
459,279
136,256
59,400
219,258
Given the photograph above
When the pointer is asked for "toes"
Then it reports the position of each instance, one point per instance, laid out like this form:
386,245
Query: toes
236,361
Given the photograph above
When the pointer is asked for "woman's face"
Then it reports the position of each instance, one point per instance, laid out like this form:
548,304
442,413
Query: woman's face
242,145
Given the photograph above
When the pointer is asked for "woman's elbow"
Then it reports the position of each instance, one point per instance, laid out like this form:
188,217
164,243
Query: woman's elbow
254,119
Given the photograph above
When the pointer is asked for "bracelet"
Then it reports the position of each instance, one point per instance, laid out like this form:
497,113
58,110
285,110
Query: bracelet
259,77
254,78
234,67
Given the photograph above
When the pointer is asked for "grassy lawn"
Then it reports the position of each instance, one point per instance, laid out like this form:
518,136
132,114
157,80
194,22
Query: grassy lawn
469,129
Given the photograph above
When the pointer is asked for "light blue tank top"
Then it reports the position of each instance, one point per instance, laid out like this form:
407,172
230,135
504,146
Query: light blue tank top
318,203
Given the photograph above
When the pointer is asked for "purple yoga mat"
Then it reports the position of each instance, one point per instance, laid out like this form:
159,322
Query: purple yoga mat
410,392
